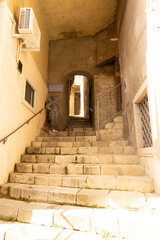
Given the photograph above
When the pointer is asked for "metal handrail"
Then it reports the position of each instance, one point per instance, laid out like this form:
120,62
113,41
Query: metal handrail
98,101
108,119
27,122
109,91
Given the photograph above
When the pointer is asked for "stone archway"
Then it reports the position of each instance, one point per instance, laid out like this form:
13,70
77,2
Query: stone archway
66,78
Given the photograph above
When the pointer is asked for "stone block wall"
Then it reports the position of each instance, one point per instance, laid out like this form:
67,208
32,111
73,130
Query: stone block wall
104,82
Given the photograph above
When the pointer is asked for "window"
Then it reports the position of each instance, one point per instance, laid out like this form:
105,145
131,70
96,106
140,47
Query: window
142,118
146,125
29,94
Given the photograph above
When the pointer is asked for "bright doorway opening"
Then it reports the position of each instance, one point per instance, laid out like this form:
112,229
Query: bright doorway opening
79,96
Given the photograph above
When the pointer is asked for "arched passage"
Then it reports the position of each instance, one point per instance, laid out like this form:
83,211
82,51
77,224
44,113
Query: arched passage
79,103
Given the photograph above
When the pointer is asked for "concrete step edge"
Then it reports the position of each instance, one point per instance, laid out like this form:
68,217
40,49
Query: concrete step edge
77,196
33,231
92,159
70,168
109,220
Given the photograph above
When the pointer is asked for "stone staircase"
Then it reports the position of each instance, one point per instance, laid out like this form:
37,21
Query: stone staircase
70,179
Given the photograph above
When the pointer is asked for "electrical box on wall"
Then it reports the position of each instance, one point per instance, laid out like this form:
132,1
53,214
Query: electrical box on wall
28,29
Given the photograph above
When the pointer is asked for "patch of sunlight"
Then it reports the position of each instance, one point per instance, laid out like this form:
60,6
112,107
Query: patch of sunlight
152,56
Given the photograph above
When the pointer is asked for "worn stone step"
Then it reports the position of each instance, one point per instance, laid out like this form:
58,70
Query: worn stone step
77,196
71,133
85,159
67,139
67,168
109,143
80,168
80,150
121,223
23,231
58,133
108,159
85,127
110,134
124,183
85,138
79,129
116,125
62,180
105,169
61,144
79,122
80,144
82,133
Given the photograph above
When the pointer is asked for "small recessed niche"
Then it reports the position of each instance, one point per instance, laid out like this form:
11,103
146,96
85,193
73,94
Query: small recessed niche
19,66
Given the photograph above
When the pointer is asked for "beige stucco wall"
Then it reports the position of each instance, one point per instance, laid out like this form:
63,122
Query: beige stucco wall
13,112
132,54
139,61
41,58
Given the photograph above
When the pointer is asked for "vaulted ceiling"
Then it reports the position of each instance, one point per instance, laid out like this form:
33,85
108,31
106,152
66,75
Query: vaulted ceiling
77,18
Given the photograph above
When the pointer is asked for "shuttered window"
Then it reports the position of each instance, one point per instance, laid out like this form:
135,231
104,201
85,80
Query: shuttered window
29,94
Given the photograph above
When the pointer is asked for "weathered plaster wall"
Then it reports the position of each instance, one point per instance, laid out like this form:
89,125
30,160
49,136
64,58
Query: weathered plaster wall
12,110
132,53
78,56
73,19
139,53
69,57
41,58
106,49
120,11
153,79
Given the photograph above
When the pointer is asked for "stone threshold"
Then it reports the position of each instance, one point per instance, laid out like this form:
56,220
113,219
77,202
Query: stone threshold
53,219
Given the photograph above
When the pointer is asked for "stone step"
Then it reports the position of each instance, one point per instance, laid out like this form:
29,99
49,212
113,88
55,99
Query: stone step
80,144
82,197
79,122
110,134
80,129
72,133
126,220
85,159
80,150
80,126
61,144
109,143
110,182
21,231
73,180
81,133
66,139
86,169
